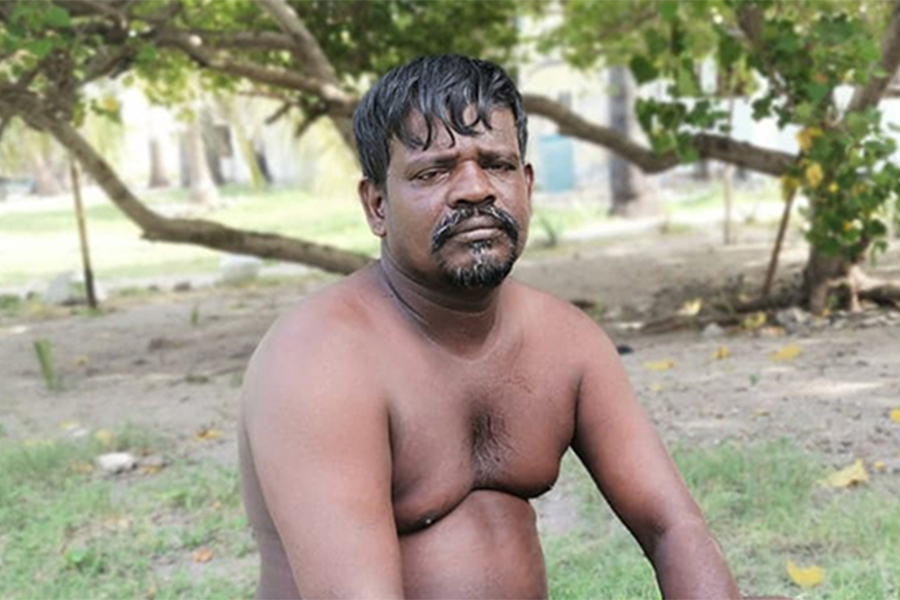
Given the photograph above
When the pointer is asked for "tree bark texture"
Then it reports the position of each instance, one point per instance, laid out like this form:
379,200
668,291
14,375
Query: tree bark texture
628,185
157,171
202,186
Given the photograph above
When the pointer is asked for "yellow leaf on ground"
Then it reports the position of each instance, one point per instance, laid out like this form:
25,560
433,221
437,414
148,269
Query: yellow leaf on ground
722,352
805,577
208,434
659,365
82,467
754,321
789,352
150,469
203,555
657,387
105,437
894,415
691,307
879,465
849,476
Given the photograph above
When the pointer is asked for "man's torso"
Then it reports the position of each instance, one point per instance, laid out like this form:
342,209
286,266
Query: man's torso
472,440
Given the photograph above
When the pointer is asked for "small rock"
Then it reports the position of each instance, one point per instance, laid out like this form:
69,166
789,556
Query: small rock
237,268
116,462
182,286
713,331
792,318
61,289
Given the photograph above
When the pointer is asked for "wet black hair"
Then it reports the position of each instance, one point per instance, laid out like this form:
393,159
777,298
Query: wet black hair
440,88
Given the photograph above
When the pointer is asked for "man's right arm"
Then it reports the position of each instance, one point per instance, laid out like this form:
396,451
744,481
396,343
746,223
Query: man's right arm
321,447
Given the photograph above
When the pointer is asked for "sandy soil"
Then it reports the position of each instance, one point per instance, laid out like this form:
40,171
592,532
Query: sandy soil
173,361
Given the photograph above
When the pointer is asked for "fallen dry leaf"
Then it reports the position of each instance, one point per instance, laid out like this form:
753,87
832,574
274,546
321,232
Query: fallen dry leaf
82,467
894,415
879,465
150,469
203,555
849,476
69,425
208,433
721,353
753,321
105,437
657,387
805,577
789,352
760,412
691,307
81,361
659,365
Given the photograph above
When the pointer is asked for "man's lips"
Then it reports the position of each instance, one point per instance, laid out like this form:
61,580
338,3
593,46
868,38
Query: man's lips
477,225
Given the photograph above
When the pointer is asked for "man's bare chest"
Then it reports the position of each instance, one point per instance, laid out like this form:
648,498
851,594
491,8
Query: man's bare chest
477,426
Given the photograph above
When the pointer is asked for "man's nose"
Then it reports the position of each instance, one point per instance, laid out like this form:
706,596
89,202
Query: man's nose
472,185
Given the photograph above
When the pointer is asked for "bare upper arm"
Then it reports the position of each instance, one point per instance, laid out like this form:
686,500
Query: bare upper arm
620,448
320,441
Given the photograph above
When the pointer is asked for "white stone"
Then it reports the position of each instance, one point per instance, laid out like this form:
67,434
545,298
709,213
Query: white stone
713,331
116,462
61,289
237,268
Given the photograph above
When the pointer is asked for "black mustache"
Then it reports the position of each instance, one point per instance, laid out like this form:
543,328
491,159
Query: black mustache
448,225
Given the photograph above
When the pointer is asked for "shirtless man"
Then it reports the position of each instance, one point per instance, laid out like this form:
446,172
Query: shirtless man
396,425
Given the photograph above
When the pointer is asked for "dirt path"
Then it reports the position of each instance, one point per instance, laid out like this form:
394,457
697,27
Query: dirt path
173,362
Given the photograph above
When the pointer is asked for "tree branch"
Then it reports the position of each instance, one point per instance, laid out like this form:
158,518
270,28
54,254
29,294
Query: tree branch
305,47
870,94
194,46
189,231
309,55
742,154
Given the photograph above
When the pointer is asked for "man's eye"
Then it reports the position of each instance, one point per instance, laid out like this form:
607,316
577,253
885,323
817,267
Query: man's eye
502,166
428,175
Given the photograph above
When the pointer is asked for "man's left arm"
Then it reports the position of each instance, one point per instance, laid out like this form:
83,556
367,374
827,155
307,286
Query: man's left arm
632,468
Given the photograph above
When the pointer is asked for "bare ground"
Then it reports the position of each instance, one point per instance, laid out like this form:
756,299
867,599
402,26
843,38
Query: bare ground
172,362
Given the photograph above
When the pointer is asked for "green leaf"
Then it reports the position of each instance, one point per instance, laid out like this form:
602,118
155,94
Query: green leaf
56,16
668,10
642,69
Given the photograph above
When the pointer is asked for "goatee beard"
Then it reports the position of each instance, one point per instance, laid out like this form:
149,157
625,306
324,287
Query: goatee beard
484,272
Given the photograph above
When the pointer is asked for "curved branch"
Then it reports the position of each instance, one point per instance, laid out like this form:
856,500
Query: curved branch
742,154
871,93
193,231
194,46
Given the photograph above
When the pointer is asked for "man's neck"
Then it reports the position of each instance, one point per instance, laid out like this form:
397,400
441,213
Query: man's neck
463,322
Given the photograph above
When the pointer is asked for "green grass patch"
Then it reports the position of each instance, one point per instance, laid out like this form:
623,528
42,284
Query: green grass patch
66,532
765,505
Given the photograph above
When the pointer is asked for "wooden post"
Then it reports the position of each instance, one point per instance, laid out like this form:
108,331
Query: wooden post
776,250
82,236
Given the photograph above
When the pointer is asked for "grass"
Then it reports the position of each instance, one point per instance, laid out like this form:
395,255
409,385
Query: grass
70,532
67,531
765,505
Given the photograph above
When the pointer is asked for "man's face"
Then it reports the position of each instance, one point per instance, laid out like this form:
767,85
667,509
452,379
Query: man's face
456,214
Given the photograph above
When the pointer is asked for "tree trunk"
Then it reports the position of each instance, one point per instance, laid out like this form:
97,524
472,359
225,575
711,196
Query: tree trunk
628,185
46,183
203,188
157,171
824,274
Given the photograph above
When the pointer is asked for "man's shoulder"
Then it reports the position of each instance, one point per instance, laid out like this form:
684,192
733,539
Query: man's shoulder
316,357
546,310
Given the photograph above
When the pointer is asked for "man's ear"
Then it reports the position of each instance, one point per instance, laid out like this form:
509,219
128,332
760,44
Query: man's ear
529,179
373,199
